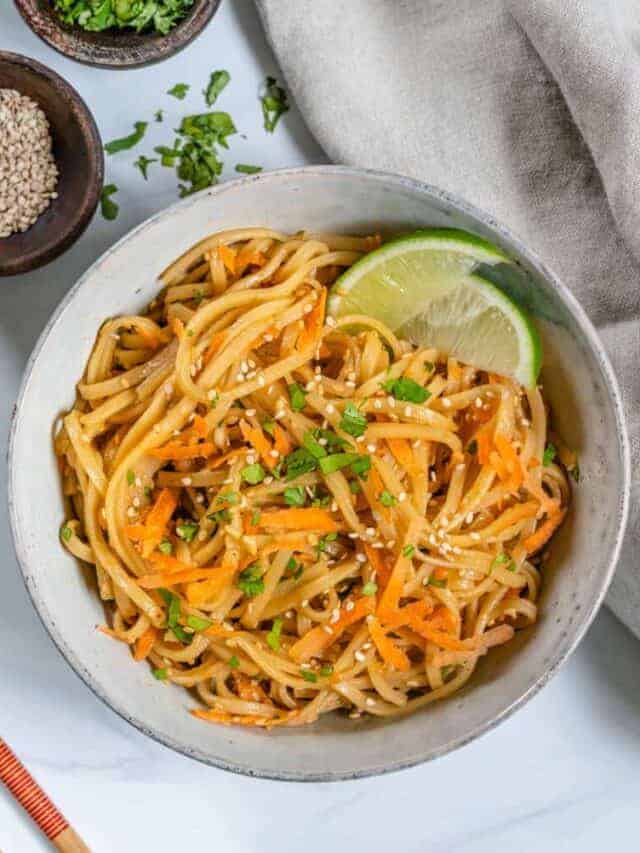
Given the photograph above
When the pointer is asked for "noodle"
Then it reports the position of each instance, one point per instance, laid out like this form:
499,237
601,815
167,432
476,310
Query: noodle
274,528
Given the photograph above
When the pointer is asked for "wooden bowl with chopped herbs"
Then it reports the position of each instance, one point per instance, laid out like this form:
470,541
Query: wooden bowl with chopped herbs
117,33
51,164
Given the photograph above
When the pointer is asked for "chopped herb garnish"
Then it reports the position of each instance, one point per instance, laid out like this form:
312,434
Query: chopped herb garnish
406,390
503,560
295,496
217,82
269,426
253,474
173,604
273,637
131,477
297,396
446,671
549,454
441,584
472,447
361,466
255,518
127,142
138,15
233,662
198,623
353,421
213,402
66,533
308,675
179,91
187,530
370,588
228,498
324,540
183,636
330,464
159,115
313,446
250,581
274,103
408,551
222,515
355,487
160,674
291,564
168,155
387,499
326,670
321,501
300,462
148,491
108,207
246,169
333,441
165,547
143,163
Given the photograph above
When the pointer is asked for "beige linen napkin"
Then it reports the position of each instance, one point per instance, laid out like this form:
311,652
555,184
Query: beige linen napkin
531,110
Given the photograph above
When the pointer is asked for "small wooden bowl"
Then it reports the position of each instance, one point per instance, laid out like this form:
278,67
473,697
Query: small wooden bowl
114,48
77,149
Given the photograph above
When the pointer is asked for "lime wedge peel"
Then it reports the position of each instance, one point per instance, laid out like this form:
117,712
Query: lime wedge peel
423,287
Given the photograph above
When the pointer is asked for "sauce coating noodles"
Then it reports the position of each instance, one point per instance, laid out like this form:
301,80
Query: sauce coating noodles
289,514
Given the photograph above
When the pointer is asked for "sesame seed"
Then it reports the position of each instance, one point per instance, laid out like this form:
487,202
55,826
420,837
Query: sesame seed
138,482
478,402
261,380
366,646
353,535
475,536
469,518
432,476
370,701
211,394
131,512
402,496
391,544
432,539
250,459
305,603
377,545
136,501
268,338
335,615
307,309
350,384
391,402
457,550
361,558
408,411
250,413
444,521
305,666
371,448
359,439
377,404
168,389
446,403
370,531
360,656
186,481
327,629
331,322
355,715
330,408
323,442
275,453
268,481
239,376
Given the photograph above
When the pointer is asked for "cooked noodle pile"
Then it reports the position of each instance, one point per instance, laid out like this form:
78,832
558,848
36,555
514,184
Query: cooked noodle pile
291,514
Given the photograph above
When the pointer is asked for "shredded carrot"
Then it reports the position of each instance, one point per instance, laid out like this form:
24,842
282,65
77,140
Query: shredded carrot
534,463
206,590
177,327
214,345
305,518
285,541
228,257
138,532
157,520
173,450
144,643
198,429
403,454
313,323
220,460
483,439
256,438
497,463
109,632
152,340
393,591
282,443
160,579
513,515
544,532
380,565
213,716
389,652
317,640
494,637
405,615
247,258
512,461
249,690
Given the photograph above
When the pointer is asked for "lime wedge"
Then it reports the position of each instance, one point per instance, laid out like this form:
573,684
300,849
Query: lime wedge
428,288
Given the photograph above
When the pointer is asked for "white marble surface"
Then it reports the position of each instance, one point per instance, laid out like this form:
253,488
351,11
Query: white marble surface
562,775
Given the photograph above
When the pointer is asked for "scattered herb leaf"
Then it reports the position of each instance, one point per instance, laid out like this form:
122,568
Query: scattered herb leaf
187,530
370,588
297,396
406,390
233,662
143,163
253,474
246,169
217,82
273,637
250,581
108,207
66,533
353,421
308,675
274,103
165,547
131,477
387,499
129,141
179,91
160,674
295,496
549,454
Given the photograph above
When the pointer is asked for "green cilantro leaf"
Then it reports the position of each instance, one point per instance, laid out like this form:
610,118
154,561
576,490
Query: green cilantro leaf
165,547
131,477
253,474
308,675
387,499
326,670
299,462
297,396
406,390
198,623
273,637
274,103
233,662
127,142
353,421
250,581
408,551
160,674
217,82
361,466
66,533
179,91
143,163
246,169
108,206
549,454
159,115
295,496
370,588
313,445
330,464
187,530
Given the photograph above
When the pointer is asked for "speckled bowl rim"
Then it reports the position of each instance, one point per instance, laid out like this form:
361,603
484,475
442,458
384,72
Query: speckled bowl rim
40,256
595,345
146,50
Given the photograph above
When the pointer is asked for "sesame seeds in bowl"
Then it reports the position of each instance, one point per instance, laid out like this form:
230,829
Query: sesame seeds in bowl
51,165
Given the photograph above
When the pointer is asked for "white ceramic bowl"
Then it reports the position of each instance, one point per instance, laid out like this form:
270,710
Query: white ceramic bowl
578,380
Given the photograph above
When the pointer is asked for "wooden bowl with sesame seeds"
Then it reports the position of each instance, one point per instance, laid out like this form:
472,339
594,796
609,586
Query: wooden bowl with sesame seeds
77,152
114,48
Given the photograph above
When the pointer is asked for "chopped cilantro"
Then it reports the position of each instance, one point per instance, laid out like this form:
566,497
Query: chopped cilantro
108,207
165,547
160,674
255,518
361,466
159,115
143,163
408,551
148,491
313,446
146,16
253,474
308,675
273,637
387,499
503,560
355,487
299,462
353,421
322,542
269,426
330,464
187,530
441,584
406,390
131,477
250,581
233,662
549,454
179,91
228,498
297,396
295,496
222,515
129,141
246,169
326,670
66,533
274,103
429,366
370,588
217,82
173,604
183,636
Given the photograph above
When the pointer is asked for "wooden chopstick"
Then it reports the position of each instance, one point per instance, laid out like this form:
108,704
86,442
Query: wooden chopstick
33,799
